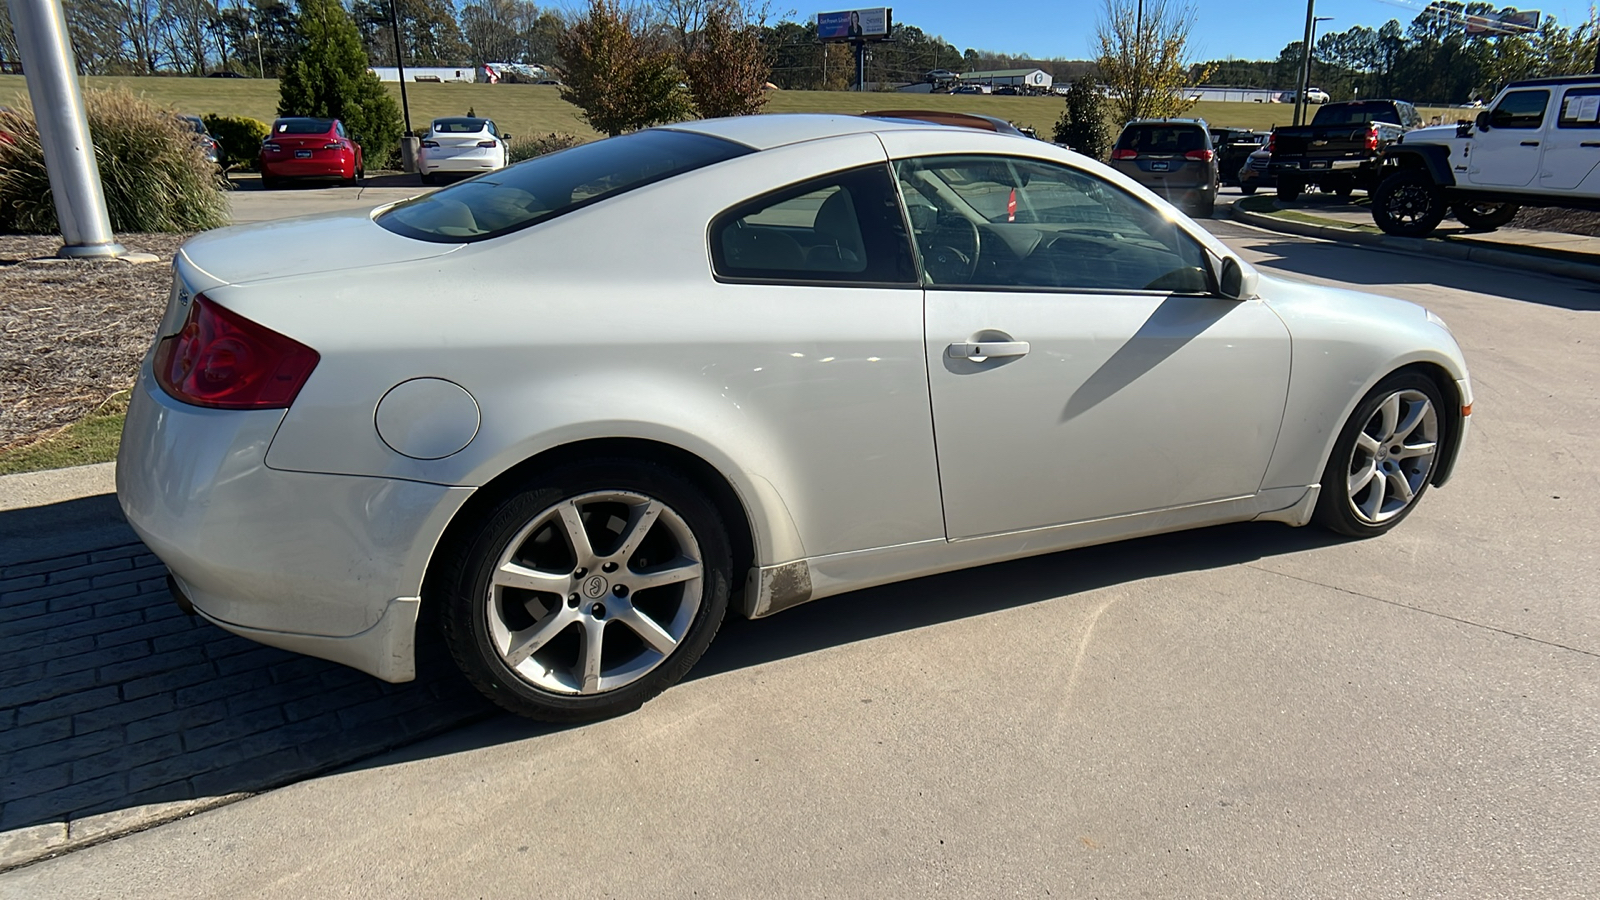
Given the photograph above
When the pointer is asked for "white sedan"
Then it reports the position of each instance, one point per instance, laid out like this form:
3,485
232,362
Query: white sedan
581,407
461,145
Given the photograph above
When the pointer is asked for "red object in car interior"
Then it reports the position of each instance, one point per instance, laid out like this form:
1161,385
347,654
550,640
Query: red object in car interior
222,360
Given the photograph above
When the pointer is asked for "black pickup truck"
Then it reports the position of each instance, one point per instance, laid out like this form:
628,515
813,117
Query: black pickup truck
1341,149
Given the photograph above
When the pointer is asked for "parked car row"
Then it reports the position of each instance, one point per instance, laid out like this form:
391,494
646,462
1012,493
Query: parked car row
303,148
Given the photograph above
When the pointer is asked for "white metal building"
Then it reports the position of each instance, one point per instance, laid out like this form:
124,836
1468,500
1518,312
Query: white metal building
429,73
1038,79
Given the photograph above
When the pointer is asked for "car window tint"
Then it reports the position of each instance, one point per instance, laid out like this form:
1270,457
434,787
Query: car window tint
547,186
1007,222
302,126
846,227
1162,138
1520,109
458,125
1580,108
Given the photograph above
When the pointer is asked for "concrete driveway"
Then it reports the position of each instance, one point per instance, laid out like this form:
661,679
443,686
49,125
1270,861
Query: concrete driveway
1248,711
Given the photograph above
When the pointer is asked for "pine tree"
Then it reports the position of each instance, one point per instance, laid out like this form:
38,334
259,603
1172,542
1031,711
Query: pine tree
1082,125
327,78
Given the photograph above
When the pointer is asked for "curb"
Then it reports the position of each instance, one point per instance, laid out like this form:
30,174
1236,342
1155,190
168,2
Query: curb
1581,266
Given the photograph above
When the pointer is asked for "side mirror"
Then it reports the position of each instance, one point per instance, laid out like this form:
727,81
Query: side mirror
1238,281
505,137
1484,118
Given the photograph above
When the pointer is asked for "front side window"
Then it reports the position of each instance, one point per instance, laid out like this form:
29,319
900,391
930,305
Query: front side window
1580,108
1520,109
1006,222
548,186
841,228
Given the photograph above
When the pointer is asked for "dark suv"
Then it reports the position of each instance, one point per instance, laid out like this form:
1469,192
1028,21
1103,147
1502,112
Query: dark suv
1172,157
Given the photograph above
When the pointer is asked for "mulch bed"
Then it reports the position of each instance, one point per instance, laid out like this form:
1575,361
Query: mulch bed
1570,221
72,333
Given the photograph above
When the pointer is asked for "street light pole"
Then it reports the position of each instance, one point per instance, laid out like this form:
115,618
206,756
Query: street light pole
46,49
399,60
1305,62
1138,62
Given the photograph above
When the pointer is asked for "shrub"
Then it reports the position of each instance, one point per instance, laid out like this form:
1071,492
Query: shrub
529,147
1082,125
240,137
327,78
152,171
617,73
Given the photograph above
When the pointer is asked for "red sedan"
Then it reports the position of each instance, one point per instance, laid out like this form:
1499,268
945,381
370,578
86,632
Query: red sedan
309,148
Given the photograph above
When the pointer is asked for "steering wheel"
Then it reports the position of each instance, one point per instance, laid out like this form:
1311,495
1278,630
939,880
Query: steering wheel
948,264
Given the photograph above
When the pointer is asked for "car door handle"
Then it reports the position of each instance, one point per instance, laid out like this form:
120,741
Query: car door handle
987,349
1530,143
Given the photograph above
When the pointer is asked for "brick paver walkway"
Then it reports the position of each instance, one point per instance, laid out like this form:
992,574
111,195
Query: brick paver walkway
110,697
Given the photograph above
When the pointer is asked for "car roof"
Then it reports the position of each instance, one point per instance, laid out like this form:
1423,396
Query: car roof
779,129
1171,121
1556,79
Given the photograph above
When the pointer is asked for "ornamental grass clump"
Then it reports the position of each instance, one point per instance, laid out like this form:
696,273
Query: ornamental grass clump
539,145
153,172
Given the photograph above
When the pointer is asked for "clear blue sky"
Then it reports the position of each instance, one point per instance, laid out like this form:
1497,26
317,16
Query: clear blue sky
1242,29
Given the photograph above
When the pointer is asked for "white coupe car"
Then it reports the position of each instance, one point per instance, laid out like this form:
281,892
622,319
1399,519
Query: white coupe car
581,407
461,145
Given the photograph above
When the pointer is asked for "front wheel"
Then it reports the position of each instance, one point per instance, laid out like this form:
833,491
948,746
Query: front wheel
1384,457
1485,216
1408,204
1247,188
588,591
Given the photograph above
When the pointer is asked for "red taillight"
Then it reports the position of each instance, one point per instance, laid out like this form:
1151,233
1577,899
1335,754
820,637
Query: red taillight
1199,155
1124,154
222,360
487,144
1372,137
271,147
335,145
430,143
1271,139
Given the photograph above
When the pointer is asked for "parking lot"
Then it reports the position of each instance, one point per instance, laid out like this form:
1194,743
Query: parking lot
1245,711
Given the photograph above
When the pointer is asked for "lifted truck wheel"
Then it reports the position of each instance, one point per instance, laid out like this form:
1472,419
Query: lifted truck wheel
1408,204
1485,216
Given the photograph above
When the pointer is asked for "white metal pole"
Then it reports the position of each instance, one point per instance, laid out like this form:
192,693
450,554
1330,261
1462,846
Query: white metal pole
47,61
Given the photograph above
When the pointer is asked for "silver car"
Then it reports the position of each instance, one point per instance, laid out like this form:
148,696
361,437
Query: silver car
581,407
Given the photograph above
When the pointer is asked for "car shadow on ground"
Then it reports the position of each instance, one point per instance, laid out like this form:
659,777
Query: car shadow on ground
112,698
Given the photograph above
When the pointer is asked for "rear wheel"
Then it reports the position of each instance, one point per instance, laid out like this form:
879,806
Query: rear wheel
1485,216
588,591
1247,188
1290,188
429,178
1206,206
1408,204
269,183
1384,457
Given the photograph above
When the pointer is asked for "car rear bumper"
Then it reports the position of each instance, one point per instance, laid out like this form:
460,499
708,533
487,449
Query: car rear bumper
327,565
467,162
307,168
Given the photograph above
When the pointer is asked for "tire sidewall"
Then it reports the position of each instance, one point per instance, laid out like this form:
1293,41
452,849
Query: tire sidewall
1408,178
465,618
1333,504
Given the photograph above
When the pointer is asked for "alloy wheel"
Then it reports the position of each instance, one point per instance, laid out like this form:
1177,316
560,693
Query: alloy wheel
1392,456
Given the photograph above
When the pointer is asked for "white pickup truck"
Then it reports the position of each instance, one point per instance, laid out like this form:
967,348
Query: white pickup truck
1538,144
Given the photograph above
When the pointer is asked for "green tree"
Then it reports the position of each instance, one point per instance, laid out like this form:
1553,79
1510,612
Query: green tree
616,74
728,68
327,77
1142,59
1082,125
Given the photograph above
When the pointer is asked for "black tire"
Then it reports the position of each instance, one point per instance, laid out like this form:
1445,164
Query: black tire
1485,216
1379,503
268,183
1344,188
1247,189
1206,206
1290,189
483,621
428,178
1408,204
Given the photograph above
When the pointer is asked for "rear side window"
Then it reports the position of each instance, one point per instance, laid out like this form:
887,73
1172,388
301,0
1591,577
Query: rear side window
1580,108
1162,138
548,186
461,125
1520,109
842,228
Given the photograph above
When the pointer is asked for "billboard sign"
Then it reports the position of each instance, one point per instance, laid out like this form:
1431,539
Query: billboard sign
1506,21
854,25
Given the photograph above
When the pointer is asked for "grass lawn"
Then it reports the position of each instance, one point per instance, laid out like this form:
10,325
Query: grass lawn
525,109
93,439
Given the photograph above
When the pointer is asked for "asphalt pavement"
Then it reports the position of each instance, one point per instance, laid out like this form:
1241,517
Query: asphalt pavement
1244,711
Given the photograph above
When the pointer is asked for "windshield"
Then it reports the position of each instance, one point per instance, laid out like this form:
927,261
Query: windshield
548,186
1357,114
459,126
302,126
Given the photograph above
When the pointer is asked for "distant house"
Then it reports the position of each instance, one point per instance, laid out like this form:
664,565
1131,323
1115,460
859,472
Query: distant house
428,73
1031,79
